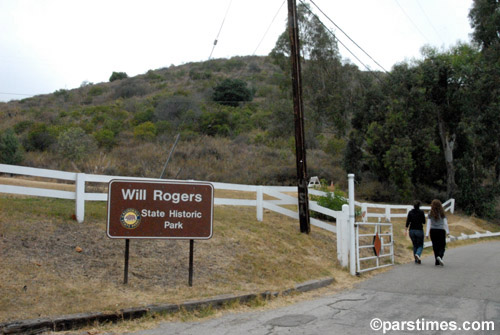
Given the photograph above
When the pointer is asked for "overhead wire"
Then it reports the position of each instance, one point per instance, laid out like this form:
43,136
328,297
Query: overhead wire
209,57
21,94
269,27
430,22
411,21
220,29
339,41
343,32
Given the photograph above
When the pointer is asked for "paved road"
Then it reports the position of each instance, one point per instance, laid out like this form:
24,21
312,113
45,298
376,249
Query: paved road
466,289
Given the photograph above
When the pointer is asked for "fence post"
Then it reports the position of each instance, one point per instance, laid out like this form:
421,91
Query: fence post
80,196
352,242
388,214
260,203
344,237
364,211
340,235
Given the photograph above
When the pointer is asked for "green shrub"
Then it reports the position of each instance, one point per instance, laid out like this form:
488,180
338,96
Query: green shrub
39,138
10,148
216,122
99,119
234,64
153,76
129,89
163,127
116,126
143,116
117,76
196,74
75,144
22,126
174,108
95,91
333,200
65,94
231,92
335,146
145,131
105,138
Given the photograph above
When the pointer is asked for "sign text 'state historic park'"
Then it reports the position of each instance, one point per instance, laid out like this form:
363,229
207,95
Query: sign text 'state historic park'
168,210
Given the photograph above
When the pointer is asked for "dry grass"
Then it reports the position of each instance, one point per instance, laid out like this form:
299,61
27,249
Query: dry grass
43,274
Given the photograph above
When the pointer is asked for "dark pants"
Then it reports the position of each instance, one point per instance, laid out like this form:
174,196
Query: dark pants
438,238
417,238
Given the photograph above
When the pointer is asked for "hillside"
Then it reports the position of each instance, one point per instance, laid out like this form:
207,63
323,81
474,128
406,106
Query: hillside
97,128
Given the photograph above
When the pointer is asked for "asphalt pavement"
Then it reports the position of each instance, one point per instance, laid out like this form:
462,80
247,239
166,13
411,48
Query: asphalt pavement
462,297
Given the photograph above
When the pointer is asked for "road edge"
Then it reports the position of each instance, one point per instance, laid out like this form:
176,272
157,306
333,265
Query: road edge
75,321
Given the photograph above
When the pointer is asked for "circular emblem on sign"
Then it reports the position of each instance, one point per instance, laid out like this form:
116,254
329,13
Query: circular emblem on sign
130,218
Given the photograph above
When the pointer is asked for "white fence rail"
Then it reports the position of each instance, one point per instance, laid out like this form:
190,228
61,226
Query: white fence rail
465,237
386,213
80,195
281,196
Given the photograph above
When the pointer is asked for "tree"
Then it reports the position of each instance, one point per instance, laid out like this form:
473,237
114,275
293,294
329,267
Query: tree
400,164
484,18
330,88
315,41
10,148
231,92
117,76
448,79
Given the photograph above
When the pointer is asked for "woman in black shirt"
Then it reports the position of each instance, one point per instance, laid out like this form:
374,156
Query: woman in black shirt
414,224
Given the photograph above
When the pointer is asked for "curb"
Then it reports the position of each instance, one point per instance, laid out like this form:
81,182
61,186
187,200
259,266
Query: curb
74,321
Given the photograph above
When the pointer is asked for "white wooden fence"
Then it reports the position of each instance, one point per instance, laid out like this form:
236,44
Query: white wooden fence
385,213
281,196
80,195
266,197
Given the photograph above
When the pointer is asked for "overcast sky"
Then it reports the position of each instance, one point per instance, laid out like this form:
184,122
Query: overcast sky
46,45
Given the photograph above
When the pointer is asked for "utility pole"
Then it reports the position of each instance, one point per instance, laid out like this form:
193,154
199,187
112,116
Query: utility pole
298,112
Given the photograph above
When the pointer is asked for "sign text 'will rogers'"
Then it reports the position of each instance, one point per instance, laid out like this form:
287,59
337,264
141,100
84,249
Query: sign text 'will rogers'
170,210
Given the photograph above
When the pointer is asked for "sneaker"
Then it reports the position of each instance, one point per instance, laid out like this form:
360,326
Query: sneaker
417,259
440,261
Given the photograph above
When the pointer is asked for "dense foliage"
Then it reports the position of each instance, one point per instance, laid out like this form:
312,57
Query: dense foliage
231,92
432,129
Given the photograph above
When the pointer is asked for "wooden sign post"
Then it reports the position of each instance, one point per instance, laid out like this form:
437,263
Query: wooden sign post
160,210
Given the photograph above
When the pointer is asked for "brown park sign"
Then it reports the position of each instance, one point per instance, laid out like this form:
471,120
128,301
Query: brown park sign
166,210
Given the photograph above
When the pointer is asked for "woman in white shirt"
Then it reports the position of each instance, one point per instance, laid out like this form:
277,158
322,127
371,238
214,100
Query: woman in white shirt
437,228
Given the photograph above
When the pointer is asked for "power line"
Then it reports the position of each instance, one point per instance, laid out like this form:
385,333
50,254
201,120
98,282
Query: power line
272,21
23,94
428,20
413,23
343,32
336,38
220,29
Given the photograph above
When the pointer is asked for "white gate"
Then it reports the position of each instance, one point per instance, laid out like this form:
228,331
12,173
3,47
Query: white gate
374,246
